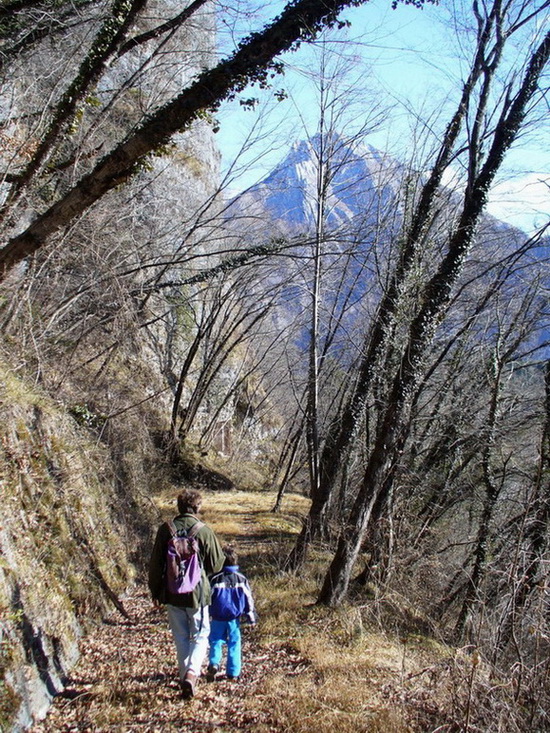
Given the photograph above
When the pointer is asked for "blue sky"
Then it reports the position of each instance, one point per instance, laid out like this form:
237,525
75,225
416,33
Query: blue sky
409,59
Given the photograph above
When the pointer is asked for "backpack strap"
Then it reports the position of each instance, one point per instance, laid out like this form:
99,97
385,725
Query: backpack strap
172,527
191,532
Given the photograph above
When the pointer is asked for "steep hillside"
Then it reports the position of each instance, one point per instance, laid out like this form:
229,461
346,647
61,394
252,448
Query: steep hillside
84,400
71,529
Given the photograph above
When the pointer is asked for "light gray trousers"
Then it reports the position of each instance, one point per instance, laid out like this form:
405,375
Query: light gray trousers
190,628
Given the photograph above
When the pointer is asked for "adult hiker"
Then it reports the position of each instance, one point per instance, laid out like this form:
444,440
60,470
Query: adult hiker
185,553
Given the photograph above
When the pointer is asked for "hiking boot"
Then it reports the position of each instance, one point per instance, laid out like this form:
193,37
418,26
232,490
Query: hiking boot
211,672
188,685
232,679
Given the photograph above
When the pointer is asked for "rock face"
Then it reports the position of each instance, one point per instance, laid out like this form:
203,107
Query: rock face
60,536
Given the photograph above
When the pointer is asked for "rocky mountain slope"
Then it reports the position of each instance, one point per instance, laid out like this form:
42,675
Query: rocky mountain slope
359,183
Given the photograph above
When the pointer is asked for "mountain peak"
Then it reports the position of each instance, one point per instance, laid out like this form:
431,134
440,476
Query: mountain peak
354,177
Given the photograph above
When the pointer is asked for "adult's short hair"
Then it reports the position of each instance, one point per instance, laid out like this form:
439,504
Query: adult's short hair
189,501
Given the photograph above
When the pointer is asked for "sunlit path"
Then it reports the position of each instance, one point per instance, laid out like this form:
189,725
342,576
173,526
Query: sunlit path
127,681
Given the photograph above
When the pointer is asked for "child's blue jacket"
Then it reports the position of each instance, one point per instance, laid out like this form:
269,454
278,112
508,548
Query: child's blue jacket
231,596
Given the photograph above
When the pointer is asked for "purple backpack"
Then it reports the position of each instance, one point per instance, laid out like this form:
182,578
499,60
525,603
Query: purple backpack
183,568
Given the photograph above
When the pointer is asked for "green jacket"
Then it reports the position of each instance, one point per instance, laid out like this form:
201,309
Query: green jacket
211,557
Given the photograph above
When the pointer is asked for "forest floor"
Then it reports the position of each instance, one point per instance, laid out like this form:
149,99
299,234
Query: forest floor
305,667
127,681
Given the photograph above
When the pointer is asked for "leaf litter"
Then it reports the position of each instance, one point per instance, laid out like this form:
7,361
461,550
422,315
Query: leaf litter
126,680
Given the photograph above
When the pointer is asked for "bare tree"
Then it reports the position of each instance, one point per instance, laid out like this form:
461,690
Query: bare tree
392,428
250,62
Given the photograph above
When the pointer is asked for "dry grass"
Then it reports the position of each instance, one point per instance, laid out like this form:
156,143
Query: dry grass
345,673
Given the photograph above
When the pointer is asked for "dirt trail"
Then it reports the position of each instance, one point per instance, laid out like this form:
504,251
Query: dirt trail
126,680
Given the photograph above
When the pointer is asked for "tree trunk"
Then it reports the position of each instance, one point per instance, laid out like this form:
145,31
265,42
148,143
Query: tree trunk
344,430
435,298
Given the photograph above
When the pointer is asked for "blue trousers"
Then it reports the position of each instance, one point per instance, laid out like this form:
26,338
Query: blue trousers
226,632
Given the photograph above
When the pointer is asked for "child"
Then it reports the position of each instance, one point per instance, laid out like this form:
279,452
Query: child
231,598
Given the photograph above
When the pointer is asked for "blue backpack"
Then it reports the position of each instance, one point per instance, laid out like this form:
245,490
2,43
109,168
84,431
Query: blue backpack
183,568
